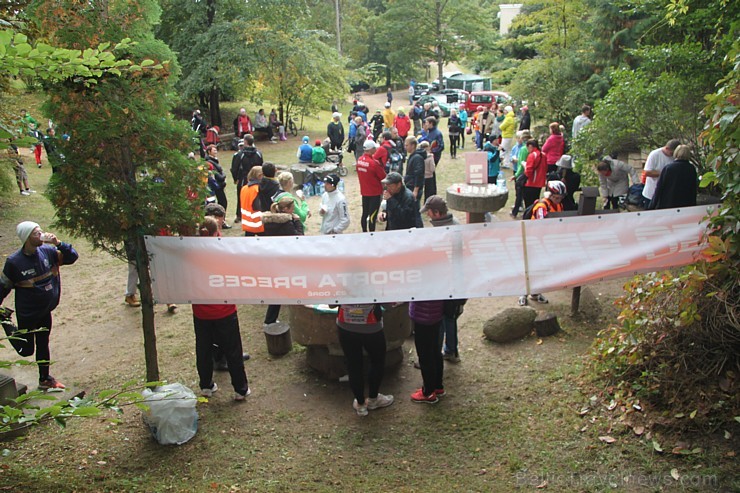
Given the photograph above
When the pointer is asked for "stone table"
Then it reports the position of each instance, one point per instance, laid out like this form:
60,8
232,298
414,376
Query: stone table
302,172
314,326
476,199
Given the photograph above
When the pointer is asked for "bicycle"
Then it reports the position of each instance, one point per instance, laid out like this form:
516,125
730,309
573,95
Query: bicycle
292,126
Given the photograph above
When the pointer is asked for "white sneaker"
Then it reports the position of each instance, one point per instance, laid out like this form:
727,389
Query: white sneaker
25,193
360,410
209,392
380,401
523,300
30,191
239,397
538,298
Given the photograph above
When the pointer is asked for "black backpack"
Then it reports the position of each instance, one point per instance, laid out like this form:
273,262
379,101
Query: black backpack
527,214
395,160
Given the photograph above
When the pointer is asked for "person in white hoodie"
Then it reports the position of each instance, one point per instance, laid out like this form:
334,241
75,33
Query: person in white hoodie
334,210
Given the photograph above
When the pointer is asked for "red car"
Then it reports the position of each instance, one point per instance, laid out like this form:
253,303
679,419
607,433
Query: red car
485,99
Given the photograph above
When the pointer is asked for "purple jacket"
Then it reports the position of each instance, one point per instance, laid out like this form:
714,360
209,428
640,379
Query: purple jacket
426,312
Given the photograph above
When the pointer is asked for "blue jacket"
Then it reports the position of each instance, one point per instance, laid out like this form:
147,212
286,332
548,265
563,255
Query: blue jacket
494,159
305,152
35,279
435,139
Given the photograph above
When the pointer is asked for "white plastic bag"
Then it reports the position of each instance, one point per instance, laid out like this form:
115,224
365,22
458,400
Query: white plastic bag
172,417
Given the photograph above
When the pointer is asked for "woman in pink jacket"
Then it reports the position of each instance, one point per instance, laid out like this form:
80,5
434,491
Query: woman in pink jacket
554,147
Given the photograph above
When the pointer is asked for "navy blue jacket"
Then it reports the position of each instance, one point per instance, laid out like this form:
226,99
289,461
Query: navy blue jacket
35,279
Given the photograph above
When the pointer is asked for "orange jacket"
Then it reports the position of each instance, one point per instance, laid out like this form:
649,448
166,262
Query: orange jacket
543,207
251,217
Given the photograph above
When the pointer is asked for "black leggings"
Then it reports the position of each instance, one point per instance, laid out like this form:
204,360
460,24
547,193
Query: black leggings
273,311
454,143
427,341
38,341
370,207
519,200
223,332
352,345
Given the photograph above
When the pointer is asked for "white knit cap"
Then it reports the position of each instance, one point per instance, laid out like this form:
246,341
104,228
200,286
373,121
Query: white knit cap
24,230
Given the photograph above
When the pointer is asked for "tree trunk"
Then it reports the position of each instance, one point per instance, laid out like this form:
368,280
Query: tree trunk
147,311
339,26
210,12
215,108
440,51
546,324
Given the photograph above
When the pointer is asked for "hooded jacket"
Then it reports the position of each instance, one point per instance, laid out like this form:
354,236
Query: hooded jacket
281,224
336,218
536,169
415,170
268,188
402,124
508,126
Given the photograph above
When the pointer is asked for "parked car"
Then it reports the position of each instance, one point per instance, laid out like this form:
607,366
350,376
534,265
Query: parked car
444,107
485,99
421,89
455,96
359,86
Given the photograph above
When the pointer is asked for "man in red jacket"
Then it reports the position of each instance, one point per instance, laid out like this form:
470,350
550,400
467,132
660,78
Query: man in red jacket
370,173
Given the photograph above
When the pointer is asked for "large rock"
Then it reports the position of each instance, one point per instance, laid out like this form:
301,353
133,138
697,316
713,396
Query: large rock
590,306
510,324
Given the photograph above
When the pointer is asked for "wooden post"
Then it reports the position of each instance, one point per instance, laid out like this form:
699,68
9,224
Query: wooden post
575,301
586,207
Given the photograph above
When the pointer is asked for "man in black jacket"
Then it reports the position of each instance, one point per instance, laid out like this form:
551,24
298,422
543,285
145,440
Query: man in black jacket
402,209
414,178
335,131
243,161
269,186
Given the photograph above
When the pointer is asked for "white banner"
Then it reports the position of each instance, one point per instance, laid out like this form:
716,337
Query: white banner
467,261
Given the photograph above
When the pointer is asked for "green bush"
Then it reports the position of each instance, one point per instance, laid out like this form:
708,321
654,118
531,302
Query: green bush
677,348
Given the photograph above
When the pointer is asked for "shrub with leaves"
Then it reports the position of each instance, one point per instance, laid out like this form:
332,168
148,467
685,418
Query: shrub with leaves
677,347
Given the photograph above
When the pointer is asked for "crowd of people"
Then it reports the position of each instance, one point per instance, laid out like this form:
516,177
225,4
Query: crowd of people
396,156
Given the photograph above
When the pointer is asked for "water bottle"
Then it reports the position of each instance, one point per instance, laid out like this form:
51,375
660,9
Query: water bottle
307,190
321,188
341,186
501,181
